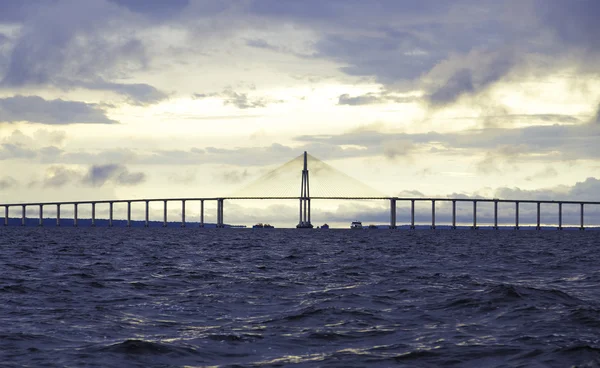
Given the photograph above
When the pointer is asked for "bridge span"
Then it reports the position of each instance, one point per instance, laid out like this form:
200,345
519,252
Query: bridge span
304,213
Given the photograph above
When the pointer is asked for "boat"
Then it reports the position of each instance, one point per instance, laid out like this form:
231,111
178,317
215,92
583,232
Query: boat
263,226
372,226
325,226
356,225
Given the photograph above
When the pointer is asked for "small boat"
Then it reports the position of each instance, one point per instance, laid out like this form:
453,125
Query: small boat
325,226
356,225
372,226
263,226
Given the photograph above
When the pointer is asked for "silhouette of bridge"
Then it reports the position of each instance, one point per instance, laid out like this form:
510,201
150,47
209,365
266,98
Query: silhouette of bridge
252,192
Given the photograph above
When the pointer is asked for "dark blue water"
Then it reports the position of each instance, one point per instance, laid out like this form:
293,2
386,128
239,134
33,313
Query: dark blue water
341,298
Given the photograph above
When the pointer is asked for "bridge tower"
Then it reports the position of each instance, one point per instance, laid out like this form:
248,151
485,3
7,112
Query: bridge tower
304,220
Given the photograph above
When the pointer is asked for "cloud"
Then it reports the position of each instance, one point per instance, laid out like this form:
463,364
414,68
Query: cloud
397,148
238,99
35,109
548,172
15,151
99,175
57,176
372,98
234,176
7,182
97,46
586,190
541,142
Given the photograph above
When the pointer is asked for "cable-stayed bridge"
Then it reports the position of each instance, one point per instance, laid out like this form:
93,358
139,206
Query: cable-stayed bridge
317,181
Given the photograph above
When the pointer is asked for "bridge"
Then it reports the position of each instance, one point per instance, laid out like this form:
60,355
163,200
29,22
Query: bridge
304,200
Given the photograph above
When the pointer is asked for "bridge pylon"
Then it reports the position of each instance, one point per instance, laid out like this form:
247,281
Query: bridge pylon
304,218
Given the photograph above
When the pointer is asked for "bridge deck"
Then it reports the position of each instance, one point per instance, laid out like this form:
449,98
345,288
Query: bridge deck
420,199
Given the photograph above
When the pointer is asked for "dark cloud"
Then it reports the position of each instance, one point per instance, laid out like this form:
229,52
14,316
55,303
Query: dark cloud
98,175
70,44
154,8
7,182
573,22
136,93
35,109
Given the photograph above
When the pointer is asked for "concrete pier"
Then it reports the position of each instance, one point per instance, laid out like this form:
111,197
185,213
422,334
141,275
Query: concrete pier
220,202
560,216
58,214
495,215
23,215
412,214
41,223
165,214
93,214
183,213
474,227
110,214
392,213
517,215
147,217
128,213
201,213
6,215
75,214
581,227
453,214
538,226
433,214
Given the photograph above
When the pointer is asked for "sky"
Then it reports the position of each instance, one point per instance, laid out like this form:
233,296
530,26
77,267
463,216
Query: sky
117,99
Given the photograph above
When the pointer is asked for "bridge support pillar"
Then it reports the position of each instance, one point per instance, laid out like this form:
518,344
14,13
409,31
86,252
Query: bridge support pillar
41,215
433,214
5,215
110,214
474,227
392,213
453,215
495,215
57,214
128,213
220,203
165,214
147,217
93,214
304,220
183,213
75,214
517,215
560,216
538,223
23,216
412,214
201,213
581,215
